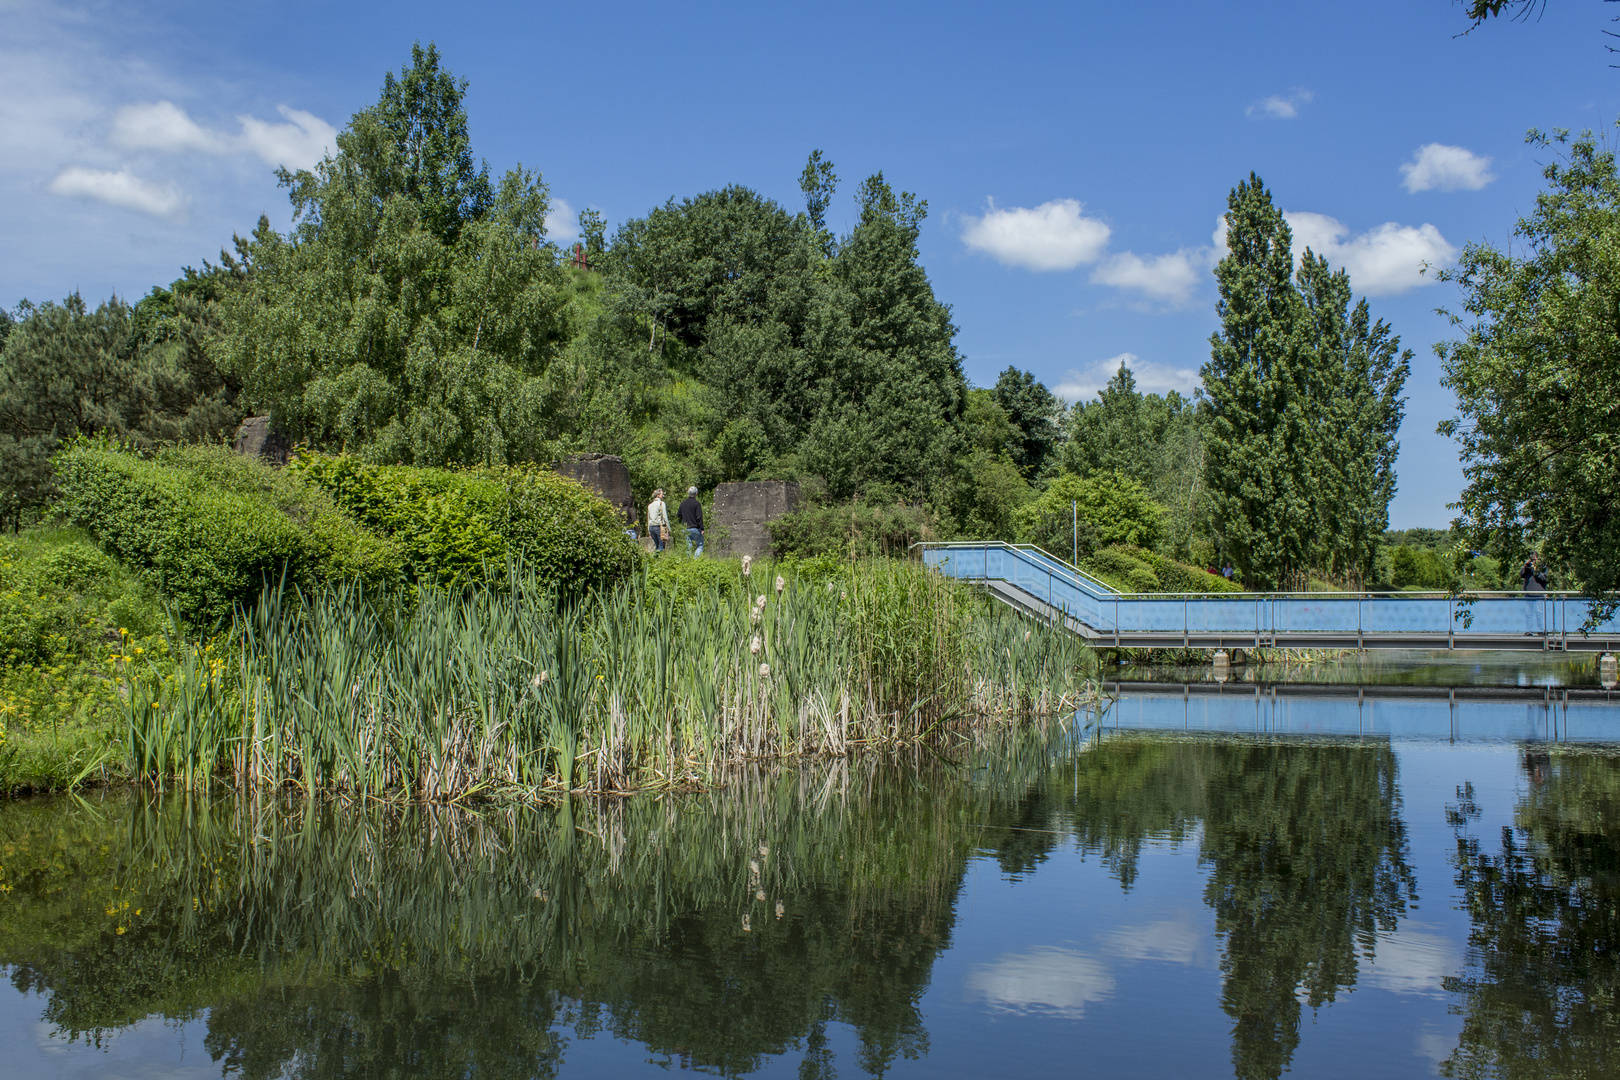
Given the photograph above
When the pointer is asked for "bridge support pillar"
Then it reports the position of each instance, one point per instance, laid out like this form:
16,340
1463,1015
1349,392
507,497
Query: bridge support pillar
1222,665
1608,671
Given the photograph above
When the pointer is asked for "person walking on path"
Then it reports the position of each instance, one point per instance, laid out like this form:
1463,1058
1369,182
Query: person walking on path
658,519
691,515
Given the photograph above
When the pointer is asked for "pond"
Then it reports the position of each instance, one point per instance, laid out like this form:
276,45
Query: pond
1202,885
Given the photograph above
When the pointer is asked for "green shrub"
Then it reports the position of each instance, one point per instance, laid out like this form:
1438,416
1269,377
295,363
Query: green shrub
1179,577
1112,509
842,529
209,528
62,599
1122,570
455,526
1420,567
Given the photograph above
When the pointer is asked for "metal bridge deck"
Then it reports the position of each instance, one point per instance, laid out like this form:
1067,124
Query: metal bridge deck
1031,580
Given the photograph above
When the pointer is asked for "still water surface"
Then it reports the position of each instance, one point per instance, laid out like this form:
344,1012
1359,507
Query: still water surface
1177,892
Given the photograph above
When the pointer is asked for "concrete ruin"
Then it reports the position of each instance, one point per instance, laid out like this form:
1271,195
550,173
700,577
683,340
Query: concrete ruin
741,511
606,475
257,437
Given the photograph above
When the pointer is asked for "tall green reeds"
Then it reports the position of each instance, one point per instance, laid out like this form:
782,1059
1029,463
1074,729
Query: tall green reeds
451,693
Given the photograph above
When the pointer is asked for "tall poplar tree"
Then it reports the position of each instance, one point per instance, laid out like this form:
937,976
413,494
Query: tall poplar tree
1258,461
1356,373
1303,397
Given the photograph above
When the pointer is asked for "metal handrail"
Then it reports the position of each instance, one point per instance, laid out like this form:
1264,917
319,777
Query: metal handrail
1269,614
1366,594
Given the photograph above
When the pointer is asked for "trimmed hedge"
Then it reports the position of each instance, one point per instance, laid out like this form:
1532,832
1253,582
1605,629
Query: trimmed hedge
1179,577
1135,569
458,526
210,527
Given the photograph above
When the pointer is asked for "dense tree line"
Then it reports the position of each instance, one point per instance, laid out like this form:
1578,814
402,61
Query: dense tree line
417,312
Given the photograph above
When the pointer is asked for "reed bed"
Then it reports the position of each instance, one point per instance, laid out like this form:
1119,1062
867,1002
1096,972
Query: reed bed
517,692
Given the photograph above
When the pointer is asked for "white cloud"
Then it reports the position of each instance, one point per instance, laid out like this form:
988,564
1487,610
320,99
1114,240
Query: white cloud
1055,235
562,223
1437,167
1169,279
1044,980
1382,261
121,188
299,143
163,126
1081,384
1280,106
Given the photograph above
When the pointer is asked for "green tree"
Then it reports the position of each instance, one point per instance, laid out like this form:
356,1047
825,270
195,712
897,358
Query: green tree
1302,400
1155,439
1036,413
1260,435
1536,374
1111,507
411,311
818,182
65,371
1356,373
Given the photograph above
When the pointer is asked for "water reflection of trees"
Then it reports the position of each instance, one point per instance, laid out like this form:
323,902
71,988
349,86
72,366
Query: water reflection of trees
1539,998
1304,842
719,930
330,939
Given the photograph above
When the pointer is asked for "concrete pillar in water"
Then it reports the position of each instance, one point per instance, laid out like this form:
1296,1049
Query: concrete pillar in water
1222,665
1608,671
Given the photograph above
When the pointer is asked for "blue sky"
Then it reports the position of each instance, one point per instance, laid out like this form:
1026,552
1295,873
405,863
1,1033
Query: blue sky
1075,157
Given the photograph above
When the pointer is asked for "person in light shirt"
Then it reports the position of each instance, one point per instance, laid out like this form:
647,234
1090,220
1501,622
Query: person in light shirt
658,519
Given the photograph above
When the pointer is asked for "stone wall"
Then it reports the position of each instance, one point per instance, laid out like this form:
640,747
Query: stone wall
605,474
741,511
255,437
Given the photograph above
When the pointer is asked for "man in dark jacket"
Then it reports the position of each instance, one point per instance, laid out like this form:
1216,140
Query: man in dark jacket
691,515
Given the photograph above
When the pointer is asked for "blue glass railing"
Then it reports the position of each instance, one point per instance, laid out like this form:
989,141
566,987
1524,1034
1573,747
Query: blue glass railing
1067,589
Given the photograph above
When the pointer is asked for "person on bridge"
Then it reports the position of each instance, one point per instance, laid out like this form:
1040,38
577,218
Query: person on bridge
658,519
1534,575
691,515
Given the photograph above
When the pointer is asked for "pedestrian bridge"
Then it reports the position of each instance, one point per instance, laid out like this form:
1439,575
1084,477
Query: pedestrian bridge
1028,578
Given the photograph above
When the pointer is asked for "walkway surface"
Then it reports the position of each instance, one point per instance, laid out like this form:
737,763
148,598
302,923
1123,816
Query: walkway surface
1030,579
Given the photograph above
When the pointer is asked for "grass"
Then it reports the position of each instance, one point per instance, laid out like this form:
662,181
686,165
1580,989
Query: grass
67,613
513,692
694,668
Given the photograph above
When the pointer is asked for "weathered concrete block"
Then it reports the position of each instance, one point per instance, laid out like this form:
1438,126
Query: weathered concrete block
605,474
741,511
255,437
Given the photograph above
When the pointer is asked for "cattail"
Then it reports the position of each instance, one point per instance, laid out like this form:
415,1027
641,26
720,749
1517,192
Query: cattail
759,894
779,909
1026,635
759,601
754,646
539,679
748,565
781,583
746,925
764,671
764,849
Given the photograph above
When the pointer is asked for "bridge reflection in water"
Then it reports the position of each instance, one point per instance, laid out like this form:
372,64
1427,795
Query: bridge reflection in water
1455,713
1031,579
